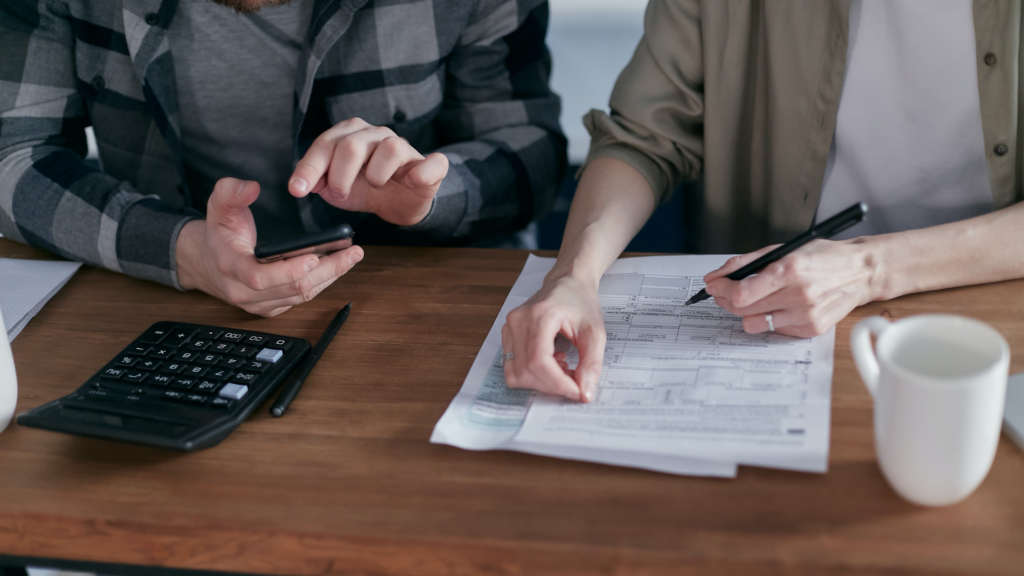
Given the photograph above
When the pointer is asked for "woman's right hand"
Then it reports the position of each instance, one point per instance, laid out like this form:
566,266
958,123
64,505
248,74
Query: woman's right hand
565,306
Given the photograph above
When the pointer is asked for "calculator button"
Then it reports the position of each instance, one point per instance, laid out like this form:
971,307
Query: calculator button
162,352
219,374
136,376
179,336
208,386
269,355
147,364
198,344
221,403
245,377
173,395
185,383
196,371
161,380
127,360
195,398
233,391
232,362
174,368
113,373
245,351
279,343
186,356
254,339
138,350
230,336
221,347
256,366
210,333
209,359
154,335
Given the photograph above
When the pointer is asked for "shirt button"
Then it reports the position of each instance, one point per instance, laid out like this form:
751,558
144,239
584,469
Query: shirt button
1001,149
399,116
990,59
99,83
152,19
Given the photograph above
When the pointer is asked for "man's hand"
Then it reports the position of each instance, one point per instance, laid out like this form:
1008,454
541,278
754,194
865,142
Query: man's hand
362,168
806,292
216,256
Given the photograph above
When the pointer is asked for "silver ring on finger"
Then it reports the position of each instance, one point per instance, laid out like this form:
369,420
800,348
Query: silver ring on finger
771,324
508,356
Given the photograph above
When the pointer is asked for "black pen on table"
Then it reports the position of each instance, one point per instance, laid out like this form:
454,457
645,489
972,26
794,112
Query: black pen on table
284,399
834,225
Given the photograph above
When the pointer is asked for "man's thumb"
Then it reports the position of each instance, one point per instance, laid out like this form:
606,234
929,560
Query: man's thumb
231,196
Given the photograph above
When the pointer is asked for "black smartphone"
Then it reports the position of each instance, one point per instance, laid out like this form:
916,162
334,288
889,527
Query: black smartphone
321,243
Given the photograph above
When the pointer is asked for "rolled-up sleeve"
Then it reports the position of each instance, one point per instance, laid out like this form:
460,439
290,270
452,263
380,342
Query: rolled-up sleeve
656,124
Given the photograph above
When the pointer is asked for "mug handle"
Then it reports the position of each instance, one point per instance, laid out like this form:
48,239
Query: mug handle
863,354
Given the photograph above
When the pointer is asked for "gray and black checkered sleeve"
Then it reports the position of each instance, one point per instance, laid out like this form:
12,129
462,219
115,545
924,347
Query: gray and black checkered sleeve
506,150
49,197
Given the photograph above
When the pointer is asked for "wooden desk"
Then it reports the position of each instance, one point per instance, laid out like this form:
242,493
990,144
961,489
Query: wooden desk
347,482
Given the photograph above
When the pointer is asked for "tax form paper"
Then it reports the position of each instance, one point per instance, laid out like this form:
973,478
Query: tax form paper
682,390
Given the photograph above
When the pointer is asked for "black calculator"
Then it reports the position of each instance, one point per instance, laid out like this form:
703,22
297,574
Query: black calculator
178,386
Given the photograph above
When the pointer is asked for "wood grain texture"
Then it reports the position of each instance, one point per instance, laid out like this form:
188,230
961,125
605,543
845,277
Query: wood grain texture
347,482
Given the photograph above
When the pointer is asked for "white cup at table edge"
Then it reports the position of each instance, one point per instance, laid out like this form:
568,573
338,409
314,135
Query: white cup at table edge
938,383
8,379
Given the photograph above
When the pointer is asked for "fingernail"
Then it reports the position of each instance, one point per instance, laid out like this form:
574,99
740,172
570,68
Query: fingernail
311,265
357,258
299,184
588,394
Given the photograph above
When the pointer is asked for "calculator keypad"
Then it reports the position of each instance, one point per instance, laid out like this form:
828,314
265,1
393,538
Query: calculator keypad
179,386
206,367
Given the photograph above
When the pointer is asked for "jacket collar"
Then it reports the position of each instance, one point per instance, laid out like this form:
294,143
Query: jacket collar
331,18
145,28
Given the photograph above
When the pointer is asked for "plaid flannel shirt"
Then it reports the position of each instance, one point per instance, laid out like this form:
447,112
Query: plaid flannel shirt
468,78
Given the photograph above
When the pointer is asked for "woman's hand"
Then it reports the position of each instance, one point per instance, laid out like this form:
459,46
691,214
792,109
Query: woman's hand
807,292
567,306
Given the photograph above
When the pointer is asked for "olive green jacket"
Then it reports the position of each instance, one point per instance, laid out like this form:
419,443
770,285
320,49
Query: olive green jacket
747,92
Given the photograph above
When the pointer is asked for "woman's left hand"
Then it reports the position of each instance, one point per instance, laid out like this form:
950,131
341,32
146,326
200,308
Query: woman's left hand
806,292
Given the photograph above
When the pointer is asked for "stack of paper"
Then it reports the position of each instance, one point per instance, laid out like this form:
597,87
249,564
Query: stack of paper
683,390
26,285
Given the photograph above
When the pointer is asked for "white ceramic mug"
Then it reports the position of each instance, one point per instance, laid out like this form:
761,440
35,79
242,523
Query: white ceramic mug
939,383
8,380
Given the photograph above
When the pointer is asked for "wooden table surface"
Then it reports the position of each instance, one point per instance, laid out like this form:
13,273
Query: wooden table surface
347,482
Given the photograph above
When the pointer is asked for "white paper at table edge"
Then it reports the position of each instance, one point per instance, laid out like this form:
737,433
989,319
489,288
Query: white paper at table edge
537,267
20,324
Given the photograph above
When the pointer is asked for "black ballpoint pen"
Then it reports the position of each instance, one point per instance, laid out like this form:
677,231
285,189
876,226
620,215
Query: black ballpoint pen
284,399
834,225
